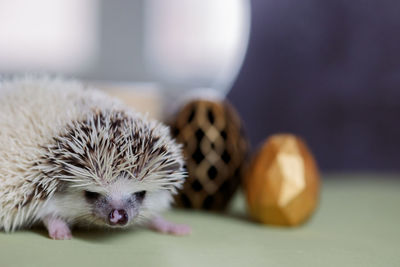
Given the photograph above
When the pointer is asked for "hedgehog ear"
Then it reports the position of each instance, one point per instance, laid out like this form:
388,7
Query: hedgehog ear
173,167
62,186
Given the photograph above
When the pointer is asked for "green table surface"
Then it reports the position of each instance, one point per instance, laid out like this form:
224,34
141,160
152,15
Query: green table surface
357,224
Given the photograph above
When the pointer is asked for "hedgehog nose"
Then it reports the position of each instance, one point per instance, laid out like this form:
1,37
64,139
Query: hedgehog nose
118,217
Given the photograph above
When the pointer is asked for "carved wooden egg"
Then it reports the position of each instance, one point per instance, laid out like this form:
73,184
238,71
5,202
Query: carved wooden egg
215,150
282,182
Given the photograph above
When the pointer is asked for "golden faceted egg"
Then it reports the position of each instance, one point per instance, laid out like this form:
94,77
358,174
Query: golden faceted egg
215,150
282,182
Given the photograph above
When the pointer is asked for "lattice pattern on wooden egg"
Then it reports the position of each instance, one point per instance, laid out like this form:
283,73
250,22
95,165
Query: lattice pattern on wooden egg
215,149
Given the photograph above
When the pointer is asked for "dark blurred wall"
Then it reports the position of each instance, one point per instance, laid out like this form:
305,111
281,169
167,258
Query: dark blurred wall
328,71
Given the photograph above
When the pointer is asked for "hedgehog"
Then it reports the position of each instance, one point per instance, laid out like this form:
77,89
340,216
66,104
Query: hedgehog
72,156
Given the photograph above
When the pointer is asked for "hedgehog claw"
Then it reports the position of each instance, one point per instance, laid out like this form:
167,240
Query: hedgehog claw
161,225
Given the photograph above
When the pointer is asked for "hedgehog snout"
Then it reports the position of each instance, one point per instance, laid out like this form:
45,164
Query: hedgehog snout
118,217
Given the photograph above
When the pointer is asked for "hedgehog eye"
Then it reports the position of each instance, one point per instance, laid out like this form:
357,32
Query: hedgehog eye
140,195
91,195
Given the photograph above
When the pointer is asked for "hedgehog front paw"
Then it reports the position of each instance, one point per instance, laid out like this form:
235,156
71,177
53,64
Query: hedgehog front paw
60,233
159,224
58,229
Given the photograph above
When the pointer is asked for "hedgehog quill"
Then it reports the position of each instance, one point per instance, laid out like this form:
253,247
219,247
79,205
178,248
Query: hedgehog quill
71,156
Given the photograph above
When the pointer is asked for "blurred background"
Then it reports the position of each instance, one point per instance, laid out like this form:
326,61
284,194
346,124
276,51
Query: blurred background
328,71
